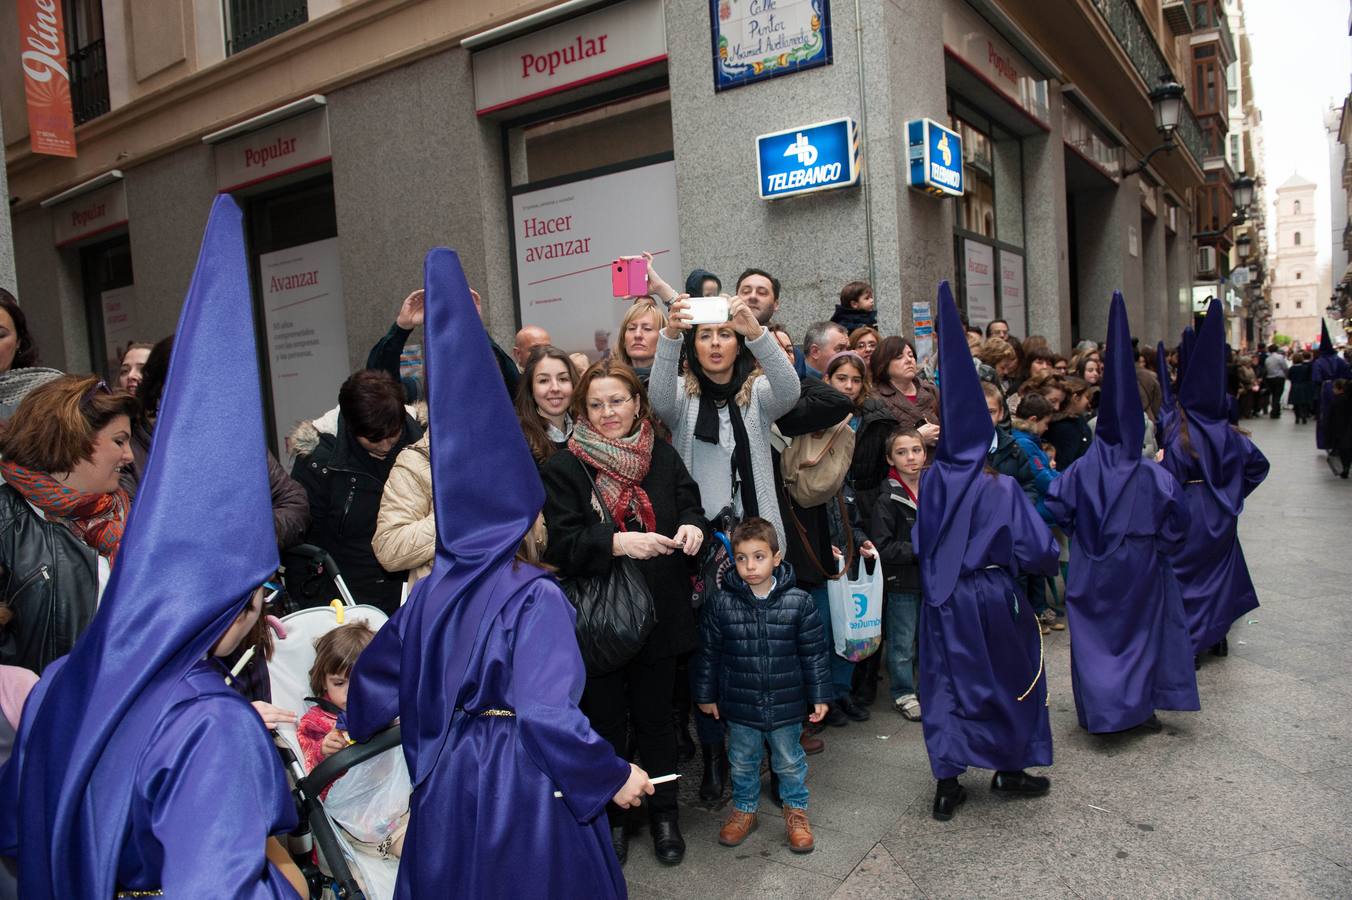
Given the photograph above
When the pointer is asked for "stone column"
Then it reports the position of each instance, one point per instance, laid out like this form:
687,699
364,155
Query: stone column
1178,251
1104,221
8,279
1046,238
1153,324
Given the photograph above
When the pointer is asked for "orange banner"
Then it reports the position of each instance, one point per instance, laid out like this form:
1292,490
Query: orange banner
51,125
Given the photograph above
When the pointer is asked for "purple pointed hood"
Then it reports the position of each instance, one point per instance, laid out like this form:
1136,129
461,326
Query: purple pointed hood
947,496
1186,342
1204,415
1168,421
1326,347
486,494
194,550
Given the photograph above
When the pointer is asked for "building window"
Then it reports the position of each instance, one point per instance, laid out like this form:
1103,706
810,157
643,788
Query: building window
250,22
1300,304
1278,306
1297,238
85,55
1295,210
1298,274
1235,161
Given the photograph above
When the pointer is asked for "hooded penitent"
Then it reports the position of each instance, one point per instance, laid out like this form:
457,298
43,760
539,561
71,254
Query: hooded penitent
1131,653
1218,467
981,675
1187,341
194,550
1168,420
481,664
1328,368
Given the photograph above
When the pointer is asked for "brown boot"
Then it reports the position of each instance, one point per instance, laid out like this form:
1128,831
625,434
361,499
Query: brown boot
811,745
798,830
736,828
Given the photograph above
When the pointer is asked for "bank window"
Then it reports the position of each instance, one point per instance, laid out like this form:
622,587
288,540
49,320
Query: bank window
992,202
608,134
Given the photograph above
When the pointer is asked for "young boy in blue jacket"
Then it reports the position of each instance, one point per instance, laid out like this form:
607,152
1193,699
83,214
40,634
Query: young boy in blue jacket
1035,413
762,661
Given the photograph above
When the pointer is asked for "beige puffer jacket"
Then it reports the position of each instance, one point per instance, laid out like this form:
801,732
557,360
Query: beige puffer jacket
406,531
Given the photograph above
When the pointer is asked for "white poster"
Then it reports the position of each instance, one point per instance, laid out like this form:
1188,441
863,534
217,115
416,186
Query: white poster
566,237
980,283
1012,306
307,330
119,324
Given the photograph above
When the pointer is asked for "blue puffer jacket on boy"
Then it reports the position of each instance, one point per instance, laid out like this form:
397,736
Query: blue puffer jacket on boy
762,661
1043,473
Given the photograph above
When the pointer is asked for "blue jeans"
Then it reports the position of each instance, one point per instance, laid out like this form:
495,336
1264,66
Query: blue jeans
842,670
746,747
903,614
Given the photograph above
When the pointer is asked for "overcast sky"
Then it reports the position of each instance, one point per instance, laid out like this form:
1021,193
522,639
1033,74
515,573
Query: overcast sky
1302,63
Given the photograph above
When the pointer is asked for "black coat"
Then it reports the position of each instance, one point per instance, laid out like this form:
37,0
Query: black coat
1070,436
345,484
1009,459
819,406
49,580
762,661
580,540
890,527
869,468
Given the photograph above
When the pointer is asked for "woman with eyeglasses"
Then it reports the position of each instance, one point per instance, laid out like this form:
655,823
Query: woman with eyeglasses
62,512
617,491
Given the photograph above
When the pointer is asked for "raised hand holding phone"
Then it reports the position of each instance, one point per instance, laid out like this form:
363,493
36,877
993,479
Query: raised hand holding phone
629,276
678,317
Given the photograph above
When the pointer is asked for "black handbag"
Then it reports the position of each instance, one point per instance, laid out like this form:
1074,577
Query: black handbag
615,612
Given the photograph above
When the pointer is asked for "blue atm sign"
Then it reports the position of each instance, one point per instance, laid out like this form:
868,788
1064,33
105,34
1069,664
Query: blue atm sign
934,158
811,158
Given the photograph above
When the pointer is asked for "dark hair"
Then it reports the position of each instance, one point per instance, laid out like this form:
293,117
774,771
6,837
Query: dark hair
991,324
776,328
755,529
610,368
1272,348
972,329
888,349
336,652
851,358
371,403
902,431
774,282
532,426
853,292
26,353
862,332
54,427
1034,406
153,374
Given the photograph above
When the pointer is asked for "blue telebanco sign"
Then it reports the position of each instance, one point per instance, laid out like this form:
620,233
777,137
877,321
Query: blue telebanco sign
809,158
934,158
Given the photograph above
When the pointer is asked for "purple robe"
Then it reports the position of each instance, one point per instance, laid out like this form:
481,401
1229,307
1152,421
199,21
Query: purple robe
1210,566
1327,369
981,645
484,821
1130,654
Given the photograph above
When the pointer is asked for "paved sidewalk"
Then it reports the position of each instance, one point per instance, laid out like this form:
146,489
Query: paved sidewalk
1251,797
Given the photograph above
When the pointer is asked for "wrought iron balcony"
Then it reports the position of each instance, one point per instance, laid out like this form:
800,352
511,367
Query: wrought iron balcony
1125,21
88,82
250,22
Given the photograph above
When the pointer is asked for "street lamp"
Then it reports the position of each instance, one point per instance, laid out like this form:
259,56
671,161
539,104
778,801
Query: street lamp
1243,189
1242,244
1166,100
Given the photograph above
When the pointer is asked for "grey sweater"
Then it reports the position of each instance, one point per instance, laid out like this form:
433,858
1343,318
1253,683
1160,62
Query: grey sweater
767,395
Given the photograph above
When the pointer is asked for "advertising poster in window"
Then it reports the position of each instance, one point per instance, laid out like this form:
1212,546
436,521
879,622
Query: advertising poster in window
758,39
980,282
566,237
119,324
306,330
1013,307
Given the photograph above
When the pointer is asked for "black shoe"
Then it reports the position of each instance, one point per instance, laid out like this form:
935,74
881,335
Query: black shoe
1153,725
667,842
948,796
619,842
1221,648
715,773
1196,663
685,747
851,709
1020,783
774,791
834,717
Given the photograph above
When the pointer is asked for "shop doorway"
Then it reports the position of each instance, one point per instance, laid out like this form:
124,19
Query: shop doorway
110,305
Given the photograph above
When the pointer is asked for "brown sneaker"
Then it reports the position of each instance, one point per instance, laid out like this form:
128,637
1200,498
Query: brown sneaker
811,745
798,830
736,828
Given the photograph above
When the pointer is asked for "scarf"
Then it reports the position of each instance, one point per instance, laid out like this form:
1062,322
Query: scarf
893,474
713,395
620,464
96,519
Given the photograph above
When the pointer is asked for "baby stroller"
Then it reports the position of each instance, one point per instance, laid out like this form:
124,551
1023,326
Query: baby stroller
311,578
289,672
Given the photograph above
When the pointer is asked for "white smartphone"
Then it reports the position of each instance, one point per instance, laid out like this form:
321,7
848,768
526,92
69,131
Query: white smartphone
708,310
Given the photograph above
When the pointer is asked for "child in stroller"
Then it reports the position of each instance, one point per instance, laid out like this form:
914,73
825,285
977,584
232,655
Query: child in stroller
335,653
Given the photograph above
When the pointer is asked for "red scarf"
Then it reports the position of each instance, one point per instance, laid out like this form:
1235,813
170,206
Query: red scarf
896,476
96,519
621,465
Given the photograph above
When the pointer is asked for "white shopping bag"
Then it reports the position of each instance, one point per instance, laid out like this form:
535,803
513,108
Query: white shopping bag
371,798
857,609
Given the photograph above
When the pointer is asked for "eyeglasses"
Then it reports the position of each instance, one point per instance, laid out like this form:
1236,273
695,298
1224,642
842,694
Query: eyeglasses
100,386
597,406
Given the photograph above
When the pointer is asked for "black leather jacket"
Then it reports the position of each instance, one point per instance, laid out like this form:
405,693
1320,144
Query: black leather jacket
49,582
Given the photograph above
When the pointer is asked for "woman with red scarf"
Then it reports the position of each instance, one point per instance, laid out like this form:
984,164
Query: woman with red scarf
61,513
654,516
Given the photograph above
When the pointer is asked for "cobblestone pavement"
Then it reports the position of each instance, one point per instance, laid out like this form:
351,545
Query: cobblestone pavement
1251,797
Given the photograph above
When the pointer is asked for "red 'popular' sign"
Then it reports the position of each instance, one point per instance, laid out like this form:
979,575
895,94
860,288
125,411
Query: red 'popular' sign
51,125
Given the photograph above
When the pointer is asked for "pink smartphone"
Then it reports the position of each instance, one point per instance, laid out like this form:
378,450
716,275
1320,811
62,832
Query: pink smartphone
629,276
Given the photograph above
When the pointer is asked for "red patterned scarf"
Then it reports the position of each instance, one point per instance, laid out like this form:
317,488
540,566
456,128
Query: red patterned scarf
96,519
621,465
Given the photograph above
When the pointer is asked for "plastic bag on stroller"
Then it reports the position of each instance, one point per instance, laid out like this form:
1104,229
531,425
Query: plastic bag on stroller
370,800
